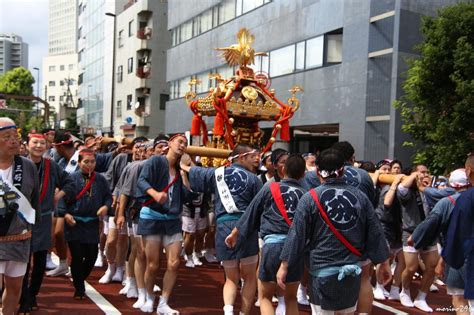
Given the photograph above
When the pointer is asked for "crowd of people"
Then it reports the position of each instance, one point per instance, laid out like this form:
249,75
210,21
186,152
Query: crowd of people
310,229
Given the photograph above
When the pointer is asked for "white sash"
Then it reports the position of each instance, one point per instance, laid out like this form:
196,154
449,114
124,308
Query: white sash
224,193
24,206
71,166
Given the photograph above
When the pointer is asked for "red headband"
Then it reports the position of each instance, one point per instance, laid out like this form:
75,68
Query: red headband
36,135
86,153
176,136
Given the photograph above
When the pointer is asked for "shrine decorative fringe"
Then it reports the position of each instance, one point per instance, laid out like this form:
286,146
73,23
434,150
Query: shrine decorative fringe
196,126
285,130
218,125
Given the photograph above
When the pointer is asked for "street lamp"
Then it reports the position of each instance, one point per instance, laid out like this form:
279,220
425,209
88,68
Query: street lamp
113,75
37,89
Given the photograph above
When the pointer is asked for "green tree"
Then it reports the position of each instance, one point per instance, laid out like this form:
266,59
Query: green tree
71,124
18,81
438,107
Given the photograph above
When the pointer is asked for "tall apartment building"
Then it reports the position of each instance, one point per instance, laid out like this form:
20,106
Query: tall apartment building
95,56
60,72
348,56
141,90
13,52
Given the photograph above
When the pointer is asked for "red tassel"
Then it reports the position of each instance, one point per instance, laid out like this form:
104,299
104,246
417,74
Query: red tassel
218,125
195,126
285,130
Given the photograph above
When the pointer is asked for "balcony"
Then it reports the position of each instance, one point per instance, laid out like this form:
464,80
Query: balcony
144,33
144,72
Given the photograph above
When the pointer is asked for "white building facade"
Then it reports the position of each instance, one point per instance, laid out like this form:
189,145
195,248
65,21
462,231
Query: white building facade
60,70
60,86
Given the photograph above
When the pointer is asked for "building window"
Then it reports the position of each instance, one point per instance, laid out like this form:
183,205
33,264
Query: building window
61,99
71,67
120,38
249,5
163,99
183,87
119,109
52,68
61,68
129,102
130,65
119,73
213,17
300,51
130,28
186,31
226,11
51,98
334,48
205,22
282,61
52,83
314,52
61,82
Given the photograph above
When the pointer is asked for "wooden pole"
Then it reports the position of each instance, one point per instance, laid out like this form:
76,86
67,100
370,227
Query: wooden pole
208,152
383,178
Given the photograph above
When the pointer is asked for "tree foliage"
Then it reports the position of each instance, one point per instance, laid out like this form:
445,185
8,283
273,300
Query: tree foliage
71,124
438,107
19,81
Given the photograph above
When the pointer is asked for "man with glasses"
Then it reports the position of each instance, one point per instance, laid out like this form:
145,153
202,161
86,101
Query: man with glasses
19,193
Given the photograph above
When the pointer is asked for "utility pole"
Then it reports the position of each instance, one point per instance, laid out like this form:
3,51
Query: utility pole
113,76
46,106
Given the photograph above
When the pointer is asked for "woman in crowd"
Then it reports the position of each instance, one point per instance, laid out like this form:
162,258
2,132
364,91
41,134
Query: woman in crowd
91,200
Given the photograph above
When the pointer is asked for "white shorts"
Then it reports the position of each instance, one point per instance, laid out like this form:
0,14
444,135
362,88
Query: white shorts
454,291
165,240
105,229
411,249
316,309
132,231
244,261
112,225
191,225
13,269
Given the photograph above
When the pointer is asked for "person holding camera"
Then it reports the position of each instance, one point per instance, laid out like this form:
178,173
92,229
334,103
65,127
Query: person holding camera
19,196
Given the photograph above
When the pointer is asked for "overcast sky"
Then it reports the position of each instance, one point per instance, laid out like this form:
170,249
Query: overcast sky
28,19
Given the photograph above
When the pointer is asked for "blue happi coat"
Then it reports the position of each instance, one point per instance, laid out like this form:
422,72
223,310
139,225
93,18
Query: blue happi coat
160,218
58,178
459,247
263,214
351,213
84,210
243,186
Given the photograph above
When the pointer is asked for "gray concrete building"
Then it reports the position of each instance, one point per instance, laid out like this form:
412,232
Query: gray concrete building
140,87
13,52
349,56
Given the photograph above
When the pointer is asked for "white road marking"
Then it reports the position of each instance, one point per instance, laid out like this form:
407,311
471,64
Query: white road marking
389,308
94,295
